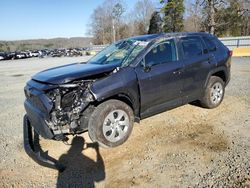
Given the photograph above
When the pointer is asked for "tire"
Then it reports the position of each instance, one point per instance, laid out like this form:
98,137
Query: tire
111,123
214,93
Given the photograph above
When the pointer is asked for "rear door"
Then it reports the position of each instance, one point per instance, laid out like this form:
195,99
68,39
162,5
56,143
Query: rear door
197,64
159,77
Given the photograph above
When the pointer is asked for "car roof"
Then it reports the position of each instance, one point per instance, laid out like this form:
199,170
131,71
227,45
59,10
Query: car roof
146,37
151,37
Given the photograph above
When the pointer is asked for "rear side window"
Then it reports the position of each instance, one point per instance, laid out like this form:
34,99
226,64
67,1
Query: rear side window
162,53
211,45
192,46
219,44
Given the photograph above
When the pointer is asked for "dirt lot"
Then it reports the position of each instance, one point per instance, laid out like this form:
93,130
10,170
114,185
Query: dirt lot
185,147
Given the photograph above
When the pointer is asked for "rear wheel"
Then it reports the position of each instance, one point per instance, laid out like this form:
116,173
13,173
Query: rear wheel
214,93
111,123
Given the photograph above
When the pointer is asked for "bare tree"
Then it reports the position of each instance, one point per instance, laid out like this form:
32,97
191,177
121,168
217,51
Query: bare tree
245,4
104,21
109,23
141,16
193,20
98,25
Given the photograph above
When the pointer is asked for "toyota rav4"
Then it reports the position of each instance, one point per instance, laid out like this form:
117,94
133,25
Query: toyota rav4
129,80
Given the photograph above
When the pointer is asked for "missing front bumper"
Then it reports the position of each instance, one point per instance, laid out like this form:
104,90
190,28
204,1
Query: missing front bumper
30,148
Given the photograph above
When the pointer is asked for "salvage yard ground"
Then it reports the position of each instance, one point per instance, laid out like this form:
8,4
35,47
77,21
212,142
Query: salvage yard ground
185,147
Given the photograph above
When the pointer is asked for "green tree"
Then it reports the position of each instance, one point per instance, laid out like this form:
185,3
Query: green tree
210,20
225,17
231,19
1,47
155,23
4,47
49,45
173,11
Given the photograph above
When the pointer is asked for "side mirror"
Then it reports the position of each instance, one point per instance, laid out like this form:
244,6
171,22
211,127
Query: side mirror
146,67
205,51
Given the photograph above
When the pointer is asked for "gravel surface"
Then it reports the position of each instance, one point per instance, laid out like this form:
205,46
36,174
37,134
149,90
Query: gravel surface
185,147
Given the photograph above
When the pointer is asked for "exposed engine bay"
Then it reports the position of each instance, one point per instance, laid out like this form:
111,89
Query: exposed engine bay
61,108
69,100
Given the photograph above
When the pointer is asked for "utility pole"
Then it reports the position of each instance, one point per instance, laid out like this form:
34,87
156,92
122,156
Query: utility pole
113,25
117,11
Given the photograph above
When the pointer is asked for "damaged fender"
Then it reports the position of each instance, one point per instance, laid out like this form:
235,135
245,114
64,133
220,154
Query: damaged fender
113,86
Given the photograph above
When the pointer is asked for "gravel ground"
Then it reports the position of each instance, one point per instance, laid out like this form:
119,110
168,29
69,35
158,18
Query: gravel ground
185,147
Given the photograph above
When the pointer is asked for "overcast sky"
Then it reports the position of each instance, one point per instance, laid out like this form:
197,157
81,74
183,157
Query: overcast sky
33,19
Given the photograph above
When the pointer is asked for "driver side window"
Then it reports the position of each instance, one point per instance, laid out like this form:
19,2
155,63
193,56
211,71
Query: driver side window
162,53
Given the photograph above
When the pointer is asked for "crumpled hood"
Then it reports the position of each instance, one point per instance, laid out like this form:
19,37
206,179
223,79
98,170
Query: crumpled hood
68,73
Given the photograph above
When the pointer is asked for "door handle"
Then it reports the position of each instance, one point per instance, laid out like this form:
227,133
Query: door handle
178,71
209,61
211,58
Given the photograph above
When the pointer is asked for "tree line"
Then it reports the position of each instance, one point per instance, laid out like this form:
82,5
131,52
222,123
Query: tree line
112,21
38,44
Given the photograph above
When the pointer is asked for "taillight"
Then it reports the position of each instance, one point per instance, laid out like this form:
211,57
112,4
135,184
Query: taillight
230,53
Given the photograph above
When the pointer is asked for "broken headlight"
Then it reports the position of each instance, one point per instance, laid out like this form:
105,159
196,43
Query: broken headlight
70,95
68,99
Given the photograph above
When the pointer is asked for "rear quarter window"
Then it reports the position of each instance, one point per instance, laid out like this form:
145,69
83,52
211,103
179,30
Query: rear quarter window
210,43
221,49
219,44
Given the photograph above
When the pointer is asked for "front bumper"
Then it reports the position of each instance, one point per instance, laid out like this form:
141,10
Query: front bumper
37,119
30,148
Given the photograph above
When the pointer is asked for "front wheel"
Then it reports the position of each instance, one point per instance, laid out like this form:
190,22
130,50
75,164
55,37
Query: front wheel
111,123
214,93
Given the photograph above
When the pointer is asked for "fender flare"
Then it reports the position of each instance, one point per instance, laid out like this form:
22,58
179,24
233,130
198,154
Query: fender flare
218,69
134,103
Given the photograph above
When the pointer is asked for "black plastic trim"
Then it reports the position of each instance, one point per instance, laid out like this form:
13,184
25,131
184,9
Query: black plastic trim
29,148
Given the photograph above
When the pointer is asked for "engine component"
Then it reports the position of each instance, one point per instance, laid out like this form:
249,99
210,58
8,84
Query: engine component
68,102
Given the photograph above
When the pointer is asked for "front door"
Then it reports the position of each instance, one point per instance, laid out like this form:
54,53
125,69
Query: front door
159,77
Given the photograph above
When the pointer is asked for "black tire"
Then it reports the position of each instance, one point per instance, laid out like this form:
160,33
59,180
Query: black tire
100,118
209,100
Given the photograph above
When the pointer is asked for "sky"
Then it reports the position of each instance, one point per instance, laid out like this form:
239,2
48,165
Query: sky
40,19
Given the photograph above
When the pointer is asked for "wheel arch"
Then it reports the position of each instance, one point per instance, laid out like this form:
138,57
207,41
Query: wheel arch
124,98
220,72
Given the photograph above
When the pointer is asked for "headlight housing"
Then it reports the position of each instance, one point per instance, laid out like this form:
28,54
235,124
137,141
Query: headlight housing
71,94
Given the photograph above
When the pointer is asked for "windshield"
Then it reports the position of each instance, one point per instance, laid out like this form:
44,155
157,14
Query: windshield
121,53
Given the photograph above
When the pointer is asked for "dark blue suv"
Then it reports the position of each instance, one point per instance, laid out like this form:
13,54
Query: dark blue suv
128,81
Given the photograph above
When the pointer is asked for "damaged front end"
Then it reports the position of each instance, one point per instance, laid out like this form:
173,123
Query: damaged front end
58,110
69,100
55,111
